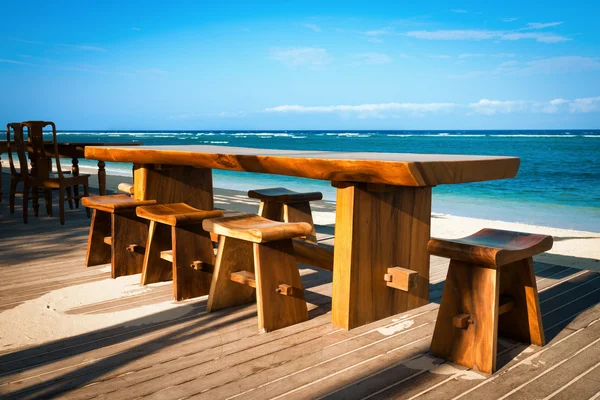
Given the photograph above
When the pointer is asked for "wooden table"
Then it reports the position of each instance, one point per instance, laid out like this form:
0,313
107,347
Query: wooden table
383,207
74,151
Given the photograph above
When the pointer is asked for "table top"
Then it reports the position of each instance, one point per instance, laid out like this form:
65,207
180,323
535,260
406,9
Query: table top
385,168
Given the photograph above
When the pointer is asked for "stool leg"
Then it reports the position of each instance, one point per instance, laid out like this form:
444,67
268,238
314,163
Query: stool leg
154,268
524,321
127,229
472,290
190,244
276,265
271,210
98,252
300,212
233,255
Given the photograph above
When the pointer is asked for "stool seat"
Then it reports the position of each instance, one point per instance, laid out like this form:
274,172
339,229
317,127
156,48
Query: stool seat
283,195
176,214
256,229
114,203
491,247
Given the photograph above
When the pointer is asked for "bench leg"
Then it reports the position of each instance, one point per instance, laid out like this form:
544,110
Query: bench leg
276,265
300,212
127,229
524,321
154,268
190,244
471,292
98,252
271,210
233,255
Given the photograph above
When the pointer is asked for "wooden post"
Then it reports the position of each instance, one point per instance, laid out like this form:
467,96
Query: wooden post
102,178
374,231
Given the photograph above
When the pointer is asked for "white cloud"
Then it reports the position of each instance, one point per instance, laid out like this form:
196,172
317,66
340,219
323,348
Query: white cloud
312,27
458,11
301,56
378,32
477,34
83,47
26,41
585,105
562,64
492,107
540,25
470,55
135,29
3,60
510,19
367,110
372,58
441,56
375,40
504,55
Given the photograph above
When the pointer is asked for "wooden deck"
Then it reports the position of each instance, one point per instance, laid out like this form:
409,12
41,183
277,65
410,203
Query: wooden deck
193,354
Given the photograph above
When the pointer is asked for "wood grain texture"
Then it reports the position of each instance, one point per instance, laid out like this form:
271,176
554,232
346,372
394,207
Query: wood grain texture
491,247
254,228
311,254
271,210
174,184
244,278
275,264
233,255
472,290
127,229
401,278
176,214
283,195
301,212
191,243
523,322
114,203
373,232
155,268
98,252
388,168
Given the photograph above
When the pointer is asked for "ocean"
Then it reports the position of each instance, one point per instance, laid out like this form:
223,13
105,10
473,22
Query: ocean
558,183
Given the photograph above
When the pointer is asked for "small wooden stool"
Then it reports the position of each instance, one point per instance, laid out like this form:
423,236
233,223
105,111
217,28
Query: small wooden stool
183,252
280,204
116,235
258,253
490,289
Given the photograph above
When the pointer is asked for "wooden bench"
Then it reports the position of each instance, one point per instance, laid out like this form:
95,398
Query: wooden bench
116,235
280,204
178,248
490,289
258,254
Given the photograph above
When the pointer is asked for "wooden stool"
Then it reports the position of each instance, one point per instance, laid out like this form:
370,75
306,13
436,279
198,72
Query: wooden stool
116,235
490,289
258,253
183,252
280,204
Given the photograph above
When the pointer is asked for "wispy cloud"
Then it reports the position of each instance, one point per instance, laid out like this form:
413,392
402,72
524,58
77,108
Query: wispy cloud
504,55
375,40
510,19
585,105
222,114
6,61
471,55
477,34
312,27
25,41
296,56
441,56
367,110
576,106
492,107
459,11
542,25
83,47
135,29
372,58
378,32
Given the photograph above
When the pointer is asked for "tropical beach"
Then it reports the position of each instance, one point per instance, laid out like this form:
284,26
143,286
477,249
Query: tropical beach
266,200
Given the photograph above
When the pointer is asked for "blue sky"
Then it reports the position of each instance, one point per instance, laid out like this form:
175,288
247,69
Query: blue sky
301,65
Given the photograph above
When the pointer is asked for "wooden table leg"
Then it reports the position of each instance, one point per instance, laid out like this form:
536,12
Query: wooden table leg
102,178
376,229
75,172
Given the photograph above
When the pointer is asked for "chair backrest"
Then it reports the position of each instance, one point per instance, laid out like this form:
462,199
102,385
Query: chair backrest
17,143
41,160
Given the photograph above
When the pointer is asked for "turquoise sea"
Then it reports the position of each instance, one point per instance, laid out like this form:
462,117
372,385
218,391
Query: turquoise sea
558,183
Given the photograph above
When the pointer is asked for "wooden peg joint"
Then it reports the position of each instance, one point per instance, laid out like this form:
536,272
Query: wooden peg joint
401,278
108,240
134,248
197,265
284,289
462,321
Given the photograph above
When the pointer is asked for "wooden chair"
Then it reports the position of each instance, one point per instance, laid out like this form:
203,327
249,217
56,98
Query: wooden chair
490,290
178,248
117,235
280,204
41,176
258,253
